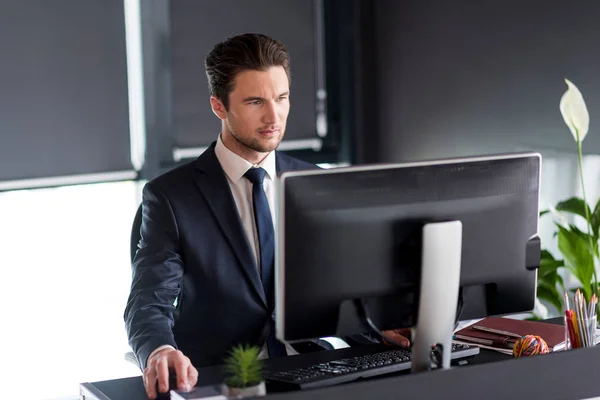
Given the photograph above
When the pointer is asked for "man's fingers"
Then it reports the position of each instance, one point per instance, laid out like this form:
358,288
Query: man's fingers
166,363
395,338
192,376
404,331
150,382
181,364
162,369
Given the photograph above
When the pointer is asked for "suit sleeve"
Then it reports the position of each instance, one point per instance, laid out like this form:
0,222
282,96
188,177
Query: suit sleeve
157,272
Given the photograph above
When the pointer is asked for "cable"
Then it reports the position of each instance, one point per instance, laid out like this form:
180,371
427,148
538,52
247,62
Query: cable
363,313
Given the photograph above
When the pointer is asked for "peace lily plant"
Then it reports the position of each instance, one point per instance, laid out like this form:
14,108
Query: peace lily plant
579,249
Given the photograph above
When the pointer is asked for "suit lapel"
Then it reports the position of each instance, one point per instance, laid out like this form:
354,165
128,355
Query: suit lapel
281,165
212,183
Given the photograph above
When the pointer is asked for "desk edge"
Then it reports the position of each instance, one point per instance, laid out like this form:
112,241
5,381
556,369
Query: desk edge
88,389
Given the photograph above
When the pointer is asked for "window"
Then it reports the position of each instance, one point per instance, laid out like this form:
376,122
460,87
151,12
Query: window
66,275
64,102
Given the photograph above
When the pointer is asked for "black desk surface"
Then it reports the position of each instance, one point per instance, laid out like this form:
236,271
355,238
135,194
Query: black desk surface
133,389
490,375
564,375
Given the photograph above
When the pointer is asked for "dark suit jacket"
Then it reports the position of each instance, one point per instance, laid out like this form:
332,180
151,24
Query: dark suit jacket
195,282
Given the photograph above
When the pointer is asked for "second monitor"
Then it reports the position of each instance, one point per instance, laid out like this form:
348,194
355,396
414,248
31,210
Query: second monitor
355,234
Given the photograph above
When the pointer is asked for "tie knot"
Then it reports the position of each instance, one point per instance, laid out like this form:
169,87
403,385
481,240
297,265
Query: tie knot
255,175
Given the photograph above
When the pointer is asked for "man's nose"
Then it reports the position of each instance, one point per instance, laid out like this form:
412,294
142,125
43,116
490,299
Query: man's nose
270,115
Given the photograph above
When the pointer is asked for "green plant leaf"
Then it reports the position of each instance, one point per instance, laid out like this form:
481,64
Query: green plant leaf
552,280
542,213
559,280
243,367
550,284
548,264
551,295
596,219
534,317
574,205
578,257
586,238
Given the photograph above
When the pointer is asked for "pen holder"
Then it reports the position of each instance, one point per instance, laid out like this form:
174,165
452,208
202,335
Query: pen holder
580,332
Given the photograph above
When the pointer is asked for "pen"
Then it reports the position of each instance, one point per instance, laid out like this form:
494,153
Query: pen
496,331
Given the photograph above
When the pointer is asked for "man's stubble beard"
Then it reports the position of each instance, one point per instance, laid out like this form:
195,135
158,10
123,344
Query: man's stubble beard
254,143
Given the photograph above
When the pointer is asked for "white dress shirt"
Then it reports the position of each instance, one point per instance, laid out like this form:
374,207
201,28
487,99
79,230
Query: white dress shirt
235,167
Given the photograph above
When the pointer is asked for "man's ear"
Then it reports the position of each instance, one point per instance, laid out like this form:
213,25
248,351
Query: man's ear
218,108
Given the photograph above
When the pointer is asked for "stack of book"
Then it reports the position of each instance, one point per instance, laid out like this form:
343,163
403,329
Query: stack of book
500,334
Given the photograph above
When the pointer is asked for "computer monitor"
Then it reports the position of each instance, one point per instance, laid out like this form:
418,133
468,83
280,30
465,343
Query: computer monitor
355,233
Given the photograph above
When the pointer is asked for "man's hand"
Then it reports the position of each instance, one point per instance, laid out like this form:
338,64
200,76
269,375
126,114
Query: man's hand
397,337
158,367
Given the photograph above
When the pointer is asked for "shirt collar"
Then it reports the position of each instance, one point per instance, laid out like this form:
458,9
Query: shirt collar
235,166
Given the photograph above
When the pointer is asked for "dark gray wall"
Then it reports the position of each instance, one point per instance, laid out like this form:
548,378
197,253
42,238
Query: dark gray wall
473,77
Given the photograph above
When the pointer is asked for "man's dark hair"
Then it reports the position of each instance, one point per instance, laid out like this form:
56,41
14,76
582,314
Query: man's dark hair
250,51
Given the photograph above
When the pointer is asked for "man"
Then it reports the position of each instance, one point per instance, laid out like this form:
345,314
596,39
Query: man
198,274
203,273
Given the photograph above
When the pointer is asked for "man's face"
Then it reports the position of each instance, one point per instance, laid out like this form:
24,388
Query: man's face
258,109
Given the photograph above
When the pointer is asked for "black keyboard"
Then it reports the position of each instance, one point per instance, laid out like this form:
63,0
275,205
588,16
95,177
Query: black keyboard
349,369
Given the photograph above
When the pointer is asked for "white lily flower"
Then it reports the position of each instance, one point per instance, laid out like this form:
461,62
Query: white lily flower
574,111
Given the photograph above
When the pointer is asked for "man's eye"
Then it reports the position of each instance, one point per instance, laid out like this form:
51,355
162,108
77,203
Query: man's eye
255,103
282,98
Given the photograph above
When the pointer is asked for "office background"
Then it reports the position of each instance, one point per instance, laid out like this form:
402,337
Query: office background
97,96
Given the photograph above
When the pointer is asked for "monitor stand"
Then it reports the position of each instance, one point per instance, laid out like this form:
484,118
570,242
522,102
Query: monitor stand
440,280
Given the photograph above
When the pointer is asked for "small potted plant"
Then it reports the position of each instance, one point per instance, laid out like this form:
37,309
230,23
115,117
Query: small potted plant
244,373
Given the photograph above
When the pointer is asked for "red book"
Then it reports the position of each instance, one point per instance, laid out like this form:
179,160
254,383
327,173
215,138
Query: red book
496,333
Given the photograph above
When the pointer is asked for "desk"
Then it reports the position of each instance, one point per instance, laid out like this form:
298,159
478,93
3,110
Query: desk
489,375
500,376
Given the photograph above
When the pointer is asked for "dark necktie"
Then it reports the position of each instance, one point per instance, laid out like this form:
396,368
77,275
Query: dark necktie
266,240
